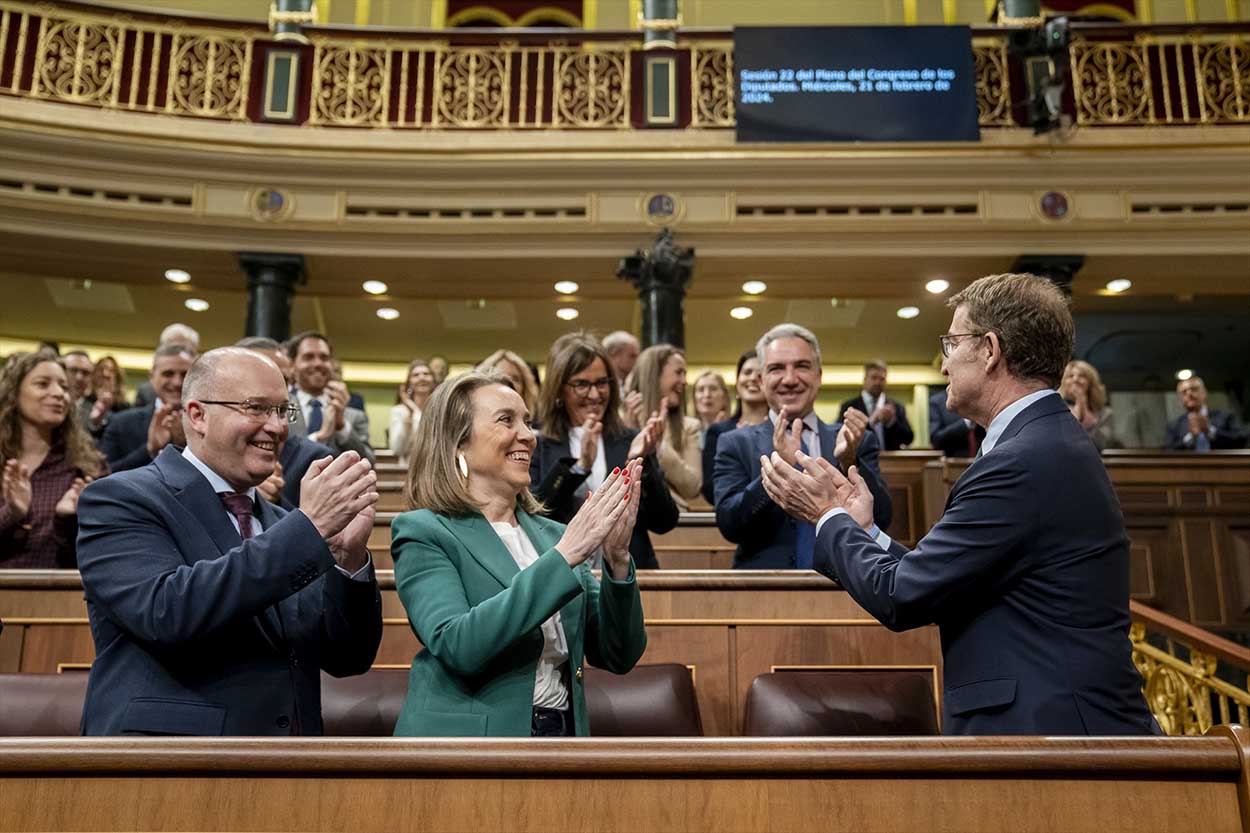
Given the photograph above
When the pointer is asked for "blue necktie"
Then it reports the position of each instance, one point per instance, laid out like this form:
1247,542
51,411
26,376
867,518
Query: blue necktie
1202,443
314,418
805,539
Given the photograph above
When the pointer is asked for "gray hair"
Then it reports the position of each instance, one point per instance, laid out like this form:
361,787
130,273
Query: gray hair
258,343
614,341
180,334
787,331
201,378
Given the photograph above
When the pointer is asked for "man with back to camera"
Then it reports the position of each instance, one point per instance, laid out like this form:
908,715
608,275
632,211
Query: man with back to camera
887,418
1200,428
324,415
767,537
1026,573
213,613
135,436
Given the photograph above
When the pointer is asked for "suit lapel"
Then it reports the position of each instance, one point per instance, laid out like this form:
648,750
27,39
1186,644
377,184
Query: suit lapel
475,532
194,492
828,439
287,611
571,614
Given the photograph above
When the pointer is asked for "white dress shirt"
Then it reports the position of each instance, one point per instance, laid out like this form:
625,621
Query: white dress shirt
550,692
220,486
598,469
811,437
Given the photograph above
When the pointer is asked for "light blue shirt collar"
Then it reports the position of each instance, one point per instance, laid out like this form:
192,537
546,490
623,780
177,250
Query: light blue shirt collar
215,480
999,424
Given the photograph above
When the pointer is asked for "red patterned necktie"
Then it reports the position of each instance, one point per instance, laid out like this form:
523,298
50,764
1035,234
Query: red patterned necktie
240,505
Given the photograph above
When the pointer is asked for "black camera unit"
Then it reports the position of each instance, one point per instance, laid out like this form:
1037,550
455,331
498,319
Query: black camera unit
1043,50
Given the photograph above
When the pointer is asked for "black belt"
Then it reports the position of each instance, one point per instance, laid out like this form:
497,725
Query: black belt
551,722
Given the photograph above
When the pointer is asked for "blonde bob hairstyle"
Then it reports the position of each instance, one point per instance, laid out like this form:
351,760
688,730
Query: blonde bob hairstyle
1097,390
434,481
529,393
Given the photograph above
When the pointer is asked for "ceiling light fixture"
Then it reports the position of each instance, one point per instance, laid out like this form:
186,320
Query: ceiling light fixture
195,304
567,313
374,287
741,313
388,313
754,287
1119,285
1184,375
566,287
938,285
908,312
177,275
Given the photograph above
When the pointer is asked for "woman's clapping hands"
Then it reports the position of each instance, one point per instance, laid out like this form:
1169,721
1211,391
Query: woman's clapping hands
605,516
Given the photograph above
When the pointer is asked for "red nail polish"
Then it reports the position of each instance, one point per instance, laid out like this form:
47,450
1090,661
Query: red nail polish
616,470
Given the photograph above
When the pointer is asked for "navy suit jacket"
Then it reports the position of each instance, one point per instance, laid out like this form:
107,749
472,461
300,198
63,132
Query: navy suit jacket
947,429
1026,575
746,515
554,483
1228,433
897,435
297,455
711,439
199,633
125,440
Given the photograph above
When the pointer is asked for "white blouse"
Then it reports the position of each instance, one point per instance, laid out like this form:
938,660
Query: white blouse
550,692
598,469
402,423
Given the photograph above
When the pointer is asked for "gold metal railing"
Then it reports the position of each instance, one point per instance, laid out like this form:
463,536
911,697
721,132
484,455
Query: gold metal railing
499,87
149,63
1184,693
115,62
1180,79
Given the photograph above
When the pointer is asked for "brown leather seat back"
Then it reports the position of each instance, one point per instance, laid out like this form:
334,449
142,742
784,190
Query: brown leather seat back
842,702
366,705
649,701
42,705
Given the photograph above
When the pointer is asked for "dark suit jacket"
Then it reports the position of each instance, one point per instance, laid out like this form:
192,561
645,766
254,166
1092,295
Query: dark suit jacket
125,440
297,455
947,429
711,439
897,435
746,515
554,483
1228,433
1027,577
199,633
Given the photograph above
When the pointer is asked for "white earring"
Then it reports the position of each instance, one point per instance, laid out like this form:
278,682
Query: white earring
463,465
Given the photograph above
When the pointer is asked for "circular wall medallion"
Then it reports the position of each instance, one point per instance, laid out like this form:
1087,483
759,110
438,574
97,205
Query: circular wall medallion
662,209
268,204
1054,205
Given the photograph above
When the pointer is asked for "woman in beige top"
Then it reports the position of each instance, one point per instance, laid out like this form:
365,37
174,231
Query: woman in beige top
659,379
1083,390
409,403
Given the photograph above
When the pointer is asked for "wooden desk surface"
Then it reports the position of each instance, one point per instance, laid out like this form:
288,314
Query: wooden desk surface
1102,785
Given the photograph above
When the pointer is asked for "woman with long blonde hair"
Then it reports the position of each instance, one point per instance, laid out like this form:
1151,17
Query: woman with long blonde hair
660,378
48,460
1086,395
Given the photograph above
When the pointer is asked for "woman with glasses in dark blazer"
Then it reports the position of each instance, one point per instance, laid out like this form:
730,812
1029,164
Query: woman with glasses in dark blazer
582,440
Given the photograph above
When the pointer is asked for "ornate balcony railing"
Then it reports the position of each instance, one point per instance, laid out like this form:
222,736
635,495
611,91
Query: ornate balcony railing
1186,673
513,79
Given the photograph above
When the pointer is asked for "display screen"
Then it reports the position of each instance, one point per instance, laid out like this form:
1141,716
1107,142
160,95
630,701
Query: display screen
855,84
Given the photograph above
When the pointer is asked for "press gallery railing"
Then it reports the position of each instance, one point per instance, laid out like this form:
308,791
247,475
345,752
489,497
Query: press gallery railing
512,79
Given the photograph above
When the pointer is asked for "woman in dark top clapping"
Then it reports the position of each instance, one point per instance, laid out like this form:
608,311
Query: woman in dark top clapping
582,440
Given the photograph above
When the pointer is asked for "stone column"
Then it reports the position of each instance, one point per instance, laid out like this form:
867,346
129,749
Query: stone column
661,275
271,283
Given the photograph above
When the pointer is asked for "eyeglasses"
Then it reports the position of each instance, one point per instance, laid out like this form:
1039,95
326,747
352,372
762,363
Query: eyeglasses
948,341
582,386
258,411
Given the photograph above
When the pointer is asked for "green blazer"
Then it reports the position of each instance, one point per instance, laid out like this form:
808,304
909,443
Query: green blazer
478,618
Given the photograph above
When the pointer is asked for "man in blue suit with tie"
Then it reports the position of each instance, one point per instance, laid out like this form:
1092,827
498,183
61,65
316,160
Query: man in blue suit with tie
214,612
767,537
1026,573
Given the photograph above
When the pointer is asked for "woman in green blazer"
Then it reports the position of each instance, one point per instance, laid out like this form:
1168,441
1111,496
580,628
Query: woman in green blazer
502,598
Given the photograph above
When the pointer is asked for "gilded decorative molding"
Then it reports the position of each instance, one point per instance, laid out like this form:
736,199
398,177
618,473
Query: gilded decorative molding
712,85
1224,76
350,85
593,88
472,87
993,83
1112,82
